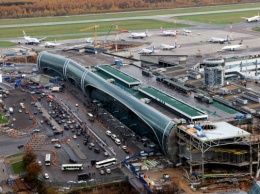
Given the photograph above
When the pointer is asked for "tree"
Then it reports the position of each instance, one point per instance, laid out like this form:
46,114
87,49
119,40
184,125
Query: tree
29,158
32,171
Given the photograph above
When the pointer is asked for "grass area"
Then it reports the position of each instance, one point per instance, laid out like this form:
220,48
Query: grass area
6,44
126,14
257,29
3,119
18,167
71,29
15,155
221,18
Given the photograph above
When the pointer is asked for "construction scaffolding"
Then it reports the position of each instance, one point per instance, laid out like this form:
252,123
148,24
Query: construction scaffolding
198,152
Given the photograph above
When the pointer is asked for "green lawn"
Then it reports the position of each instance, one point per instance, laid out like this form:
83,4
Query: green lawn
18,167
3,119
71,29
126,14
20,155
257,29
6,44
223,18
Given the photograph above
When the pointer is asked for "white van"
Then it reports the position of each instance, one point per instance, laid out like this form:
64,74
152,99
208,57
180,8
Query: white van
117,141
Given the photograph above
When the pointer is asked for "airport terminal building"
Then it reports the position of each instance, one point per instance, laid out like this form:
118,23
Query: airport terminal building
135,114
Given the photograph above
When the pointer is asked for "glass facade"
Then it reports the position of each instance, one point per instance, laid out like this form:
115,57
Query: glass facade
138,116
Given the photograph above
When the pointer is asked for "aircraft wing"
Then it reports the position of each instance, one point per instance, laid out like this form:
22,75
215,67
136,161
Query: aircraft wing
42,39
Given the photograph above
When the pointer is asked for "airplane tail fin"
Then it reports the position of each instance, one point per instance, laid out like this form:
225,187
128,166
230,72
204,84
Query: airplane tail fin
241,42
146,32
227,38
153,48
24,33
162,30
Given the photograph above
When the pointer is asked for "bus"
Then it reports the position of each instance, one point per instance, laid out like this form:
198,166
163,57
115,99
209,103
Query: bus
48,160
22,105
106,162
72,167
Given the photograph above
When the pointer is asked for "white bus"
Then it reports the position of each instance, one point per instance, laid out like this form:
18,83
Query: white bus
106,162
72,167
48,159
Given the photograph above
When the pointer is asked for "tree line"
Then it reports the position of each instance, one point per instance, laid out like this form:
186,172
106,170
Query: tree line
42,8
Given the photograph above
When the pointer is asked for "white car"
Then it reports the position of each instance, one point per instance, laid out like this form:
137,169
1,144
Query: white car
20,110
57,145
40,163
124,147
36,130
74,136
117,141
108,171
46,176
82,181
54,140
113,136
108,133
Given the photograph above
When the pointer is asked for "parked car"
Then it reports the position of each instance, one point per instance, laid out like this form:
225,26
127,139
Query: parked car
108,171
57,145
108,133
72,161
36,130
113,136
46,176
97,150
102,172
106,154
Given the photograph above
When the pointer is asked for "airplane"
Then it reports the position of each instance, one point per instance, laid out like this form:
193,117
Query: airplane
168,32
219,40
168,46
34,41
139,35
146,51
233,47
51,44
252,19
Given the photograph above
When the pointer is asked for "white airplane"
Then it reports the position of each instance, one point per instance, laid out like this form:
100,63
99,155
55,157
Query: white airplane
219,40
30,40
139,35
168,46
168,32
51,44
146,51
233,47
252,19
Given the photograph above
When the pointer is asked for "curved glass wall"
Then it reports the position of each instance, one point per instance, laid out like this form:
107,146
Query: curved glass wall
157,125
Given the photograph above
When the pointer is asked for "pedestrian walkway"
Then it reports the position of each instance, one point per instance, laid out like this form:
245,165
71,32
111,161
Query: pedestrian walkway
77,150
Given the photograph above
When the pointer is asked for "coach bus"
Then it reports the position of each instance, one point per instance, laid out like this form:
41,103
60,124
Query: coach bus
66,167
106,162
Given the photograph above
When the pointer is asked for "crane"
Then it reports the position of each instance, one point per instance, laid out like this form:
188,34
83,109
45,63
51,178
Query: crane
95,32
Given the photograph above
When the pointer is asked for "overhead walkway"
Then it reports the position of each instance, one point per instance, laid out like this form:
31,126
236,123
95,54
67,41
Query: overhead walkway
119,75
181,108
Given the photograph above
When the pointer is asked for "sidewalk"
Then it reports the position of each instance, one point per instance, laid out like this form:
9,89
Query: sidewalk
3,177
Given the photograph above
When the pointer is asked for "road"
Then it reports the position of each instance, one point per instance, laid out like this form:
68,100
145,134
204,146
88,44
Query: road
130,18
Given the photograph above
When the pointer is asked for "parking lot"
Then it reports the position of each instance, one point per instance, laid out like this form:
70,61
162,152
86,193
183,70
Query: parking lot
44,125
